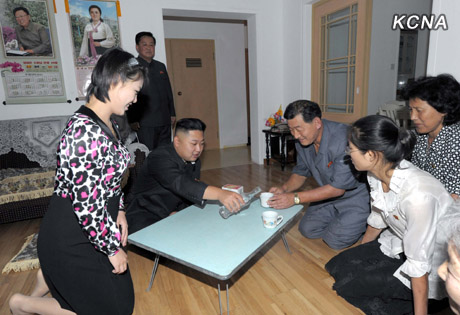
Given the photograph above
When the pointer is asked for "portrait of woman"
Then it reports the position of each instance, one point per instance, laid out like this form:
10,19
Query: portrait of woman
97,36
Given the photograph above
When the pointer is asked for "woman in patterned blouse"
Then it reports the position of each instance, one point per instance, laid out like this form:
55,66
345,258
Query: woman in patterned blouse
434,103
84,266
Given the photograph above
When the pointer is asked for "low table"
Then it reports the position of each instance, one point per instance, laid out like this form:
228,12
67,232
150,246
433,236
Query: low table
201,239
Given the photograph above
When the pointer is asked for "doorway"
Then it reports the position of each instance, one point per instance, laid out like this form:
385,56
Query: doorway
192,70
230,42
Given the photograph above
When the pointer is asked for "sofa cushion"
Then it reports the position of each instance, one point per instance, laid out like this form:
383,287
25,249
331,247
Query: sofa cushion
26,184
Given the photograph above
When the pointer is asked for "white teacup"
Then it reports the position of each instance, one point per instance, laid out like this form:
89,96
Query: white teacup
264,198
271,219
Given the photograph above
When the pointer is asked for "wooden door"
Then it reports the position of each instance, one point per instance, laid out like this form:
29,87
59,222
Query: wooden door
340,57
192,70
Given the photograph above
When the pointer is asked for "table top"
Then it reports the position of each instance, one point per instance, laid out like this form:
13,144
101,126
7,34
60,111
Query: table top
275,131
201,239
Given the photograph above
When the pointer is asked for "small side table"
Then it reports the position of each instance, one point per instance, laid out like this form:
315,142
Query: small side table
272,138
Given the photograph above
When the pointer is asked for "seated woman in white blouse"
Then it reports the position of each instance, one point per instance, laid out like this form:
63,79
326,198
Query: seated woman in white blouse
393,271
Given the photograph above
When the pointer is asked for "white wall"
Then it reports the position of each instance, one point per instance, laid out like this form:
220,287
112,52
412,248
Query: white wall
444,49
383,66
296,42
278,42
229,41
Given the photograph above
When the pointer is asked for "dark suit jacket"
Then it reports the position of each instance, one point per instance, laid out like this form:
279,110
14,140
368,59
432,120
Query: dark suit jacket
166,183
155,104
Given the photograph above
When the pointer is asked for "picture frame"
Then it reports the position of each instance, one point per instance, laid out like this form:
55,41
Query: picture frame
91,37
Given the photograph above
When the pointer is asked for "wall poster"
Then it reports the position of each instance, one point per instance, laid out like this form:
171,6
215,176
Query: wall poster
30,63
95,29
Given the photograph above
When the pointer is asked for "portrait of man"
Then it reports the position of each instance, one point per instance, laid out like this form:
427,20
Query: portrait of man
25,28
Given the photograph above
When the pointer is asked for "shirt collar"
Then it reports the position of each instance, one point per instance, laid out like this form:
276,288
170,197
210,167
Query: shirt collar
88,112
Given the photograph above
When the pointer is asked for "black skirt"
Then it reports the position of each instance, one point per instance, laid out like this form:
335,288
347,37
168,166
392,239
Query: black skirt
364,277
79,277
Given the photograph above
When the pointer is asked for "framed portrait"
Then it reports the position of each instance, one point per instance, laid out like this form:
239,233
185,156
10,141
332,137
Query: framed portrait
26,28
30,60
95,29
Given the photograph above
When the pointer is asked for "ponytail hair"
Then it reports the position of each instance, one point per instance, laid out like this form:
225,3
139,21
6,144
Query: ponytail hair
381,134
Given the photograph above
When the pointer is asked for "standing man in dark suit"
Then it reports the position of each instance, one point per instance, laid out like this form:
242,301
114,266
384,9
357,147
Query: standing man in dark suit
154,114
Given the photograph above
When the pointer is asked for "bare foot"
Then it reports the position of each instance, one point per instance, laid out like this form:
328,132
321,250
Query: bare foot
15,303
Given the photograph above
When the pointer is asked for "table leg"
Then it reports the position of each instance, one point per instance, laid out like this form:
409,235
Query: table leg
154,271
220,301
283,154
228,306
267,148
283,236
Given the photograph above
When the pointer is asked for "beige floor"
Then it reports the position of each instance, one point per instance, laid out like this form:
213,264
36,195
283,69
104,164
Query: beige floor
218,158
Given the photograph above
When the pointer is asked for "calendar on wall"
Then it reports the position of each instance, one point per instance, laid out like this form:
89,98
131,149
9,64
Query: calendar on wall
30,63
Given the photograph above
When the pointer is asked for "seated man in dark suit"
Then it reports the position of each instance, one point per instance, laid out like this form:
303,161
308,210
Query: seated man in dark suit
170,179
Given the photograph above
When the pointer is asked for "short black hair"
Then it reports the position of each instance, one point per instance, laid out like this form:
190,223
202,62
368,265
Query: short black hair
188,124
95,7
142,34
113,67
381,134
20,9
308,109
441,92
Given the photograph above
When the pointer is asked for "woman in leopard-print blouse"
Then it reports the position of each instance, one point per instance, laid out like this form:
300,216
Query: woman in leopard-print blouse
82,234
435,112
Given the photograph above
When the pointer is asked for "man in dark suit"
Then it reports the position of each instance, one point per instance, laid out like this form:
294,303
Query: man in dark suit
170,179
153,114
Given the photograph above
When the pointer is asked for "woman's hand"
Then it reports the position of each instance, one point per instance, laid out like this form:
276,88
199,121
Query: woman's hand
119,262
122,225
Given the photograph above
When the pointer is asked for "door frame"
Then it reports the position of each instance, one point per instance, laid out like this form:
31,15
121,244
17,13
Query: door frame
364,27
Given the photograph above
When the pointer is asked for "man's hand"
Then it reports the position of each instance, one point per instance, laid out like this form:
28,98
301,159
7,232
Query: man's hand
122,225
119,262
281,201
231,200
277,190
135,126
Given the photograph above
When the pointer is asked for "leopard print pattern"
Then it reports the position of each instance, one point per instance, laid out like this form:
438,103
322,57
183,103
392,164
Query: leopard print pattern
89,171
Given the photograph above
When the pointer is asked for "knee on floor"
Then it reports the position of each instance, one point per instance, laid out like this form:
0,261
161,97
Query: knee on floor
339,241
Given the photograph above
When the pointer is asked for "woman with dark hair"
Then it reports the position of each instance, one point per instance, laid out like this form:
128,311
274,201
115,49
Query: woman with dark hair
393,271
435,112
81,236
97,36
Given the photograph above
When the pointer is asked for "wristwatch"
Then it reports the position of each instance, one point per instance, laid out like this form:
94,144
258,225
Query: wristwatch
296,198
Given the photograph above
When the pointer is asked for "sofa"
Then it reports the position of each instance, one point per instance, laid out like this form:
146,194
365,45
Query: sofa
27,165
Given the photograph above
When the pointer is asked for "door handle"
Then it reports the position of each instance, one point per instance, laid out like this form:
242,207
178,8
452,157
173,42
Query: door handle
179,93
